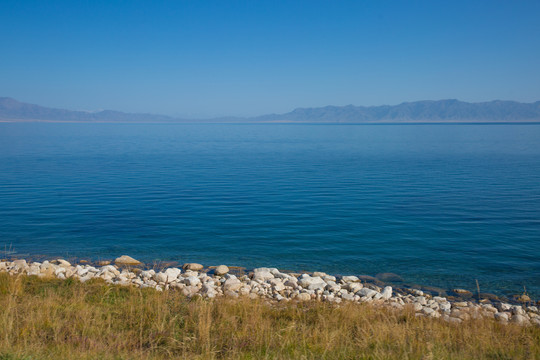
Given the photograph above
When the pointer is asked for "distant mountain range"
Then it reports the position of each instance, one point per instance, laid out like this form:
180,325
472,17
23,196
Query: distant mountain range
440,111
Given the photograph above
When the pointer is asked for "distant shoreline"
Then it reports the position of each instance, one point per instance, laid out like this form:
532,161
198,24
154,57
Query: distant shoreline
425,111
9,121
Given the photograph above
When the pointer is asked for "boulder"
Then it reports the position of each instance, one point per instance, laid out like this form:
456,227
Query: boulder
303,297
20,264
264,269
502,316
277,285
161,277
127,260
189,291
192,281
354,287
263,275
232,284
386,293
317,286
61,262
192,266
221,270
172,273
349,279
368,293
306,280
519,319
445,306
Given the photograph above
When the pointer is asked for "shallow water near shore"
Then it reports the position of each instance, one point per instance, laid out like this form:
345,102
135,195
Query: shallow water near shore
439,205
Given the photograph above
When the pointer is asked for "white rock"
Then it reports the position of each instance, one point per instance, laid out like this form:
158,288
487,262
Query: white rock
85,278
366,292
63,263
428,310
172,273
348,279
263,275
454,320
354,287
490,308
189,291
333,287
445,306
20,264
232,284
277,285
519,319
305,281
115,271
517,310
192,281
317,286
387,293
421,300
265,269
303,297
161,277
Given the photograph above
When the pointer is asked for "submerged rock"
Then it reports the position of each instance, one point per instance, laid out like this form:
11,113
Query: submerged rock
390,277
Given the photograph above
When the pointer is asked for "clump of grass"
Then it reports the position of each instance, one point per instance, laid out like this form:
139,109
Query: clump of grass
51,319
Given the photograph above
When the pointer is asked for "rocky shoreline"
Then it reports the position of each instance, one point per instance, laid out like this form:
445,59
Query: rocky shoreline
194,279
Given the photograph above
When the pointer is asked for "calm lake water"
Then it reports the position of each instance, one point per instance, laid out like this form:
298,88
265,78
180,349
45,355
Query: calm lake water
439,205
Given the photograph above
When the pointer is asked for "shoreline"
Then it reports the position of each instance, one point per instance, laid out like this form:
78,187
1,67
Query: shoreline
381,279
196,280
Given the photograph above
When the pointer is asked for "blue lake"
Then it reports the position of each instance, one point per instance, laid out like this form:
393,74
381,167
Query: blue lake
440,205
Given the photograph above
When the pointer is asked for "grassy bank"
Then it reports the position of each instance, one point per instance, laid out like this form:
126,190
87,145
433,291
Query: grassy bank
52,319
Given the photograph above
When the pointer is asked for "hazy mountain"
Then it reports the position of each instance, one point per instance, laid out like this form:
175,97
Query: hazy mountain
14,110
419,111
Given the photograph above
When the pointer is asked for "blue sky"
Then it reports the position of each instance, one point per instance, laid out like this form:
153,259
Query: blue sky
208,58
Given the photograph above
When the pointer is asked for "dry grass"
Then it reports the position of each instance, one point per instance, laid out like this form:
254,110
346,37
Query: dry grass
54,319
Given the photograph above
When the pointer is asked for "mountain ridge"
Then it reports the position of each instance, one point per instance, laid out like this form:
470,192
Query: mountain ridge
424,111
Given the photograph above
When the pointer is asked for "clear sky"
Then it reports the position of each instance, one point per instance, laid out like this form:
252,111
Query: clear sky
202,58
